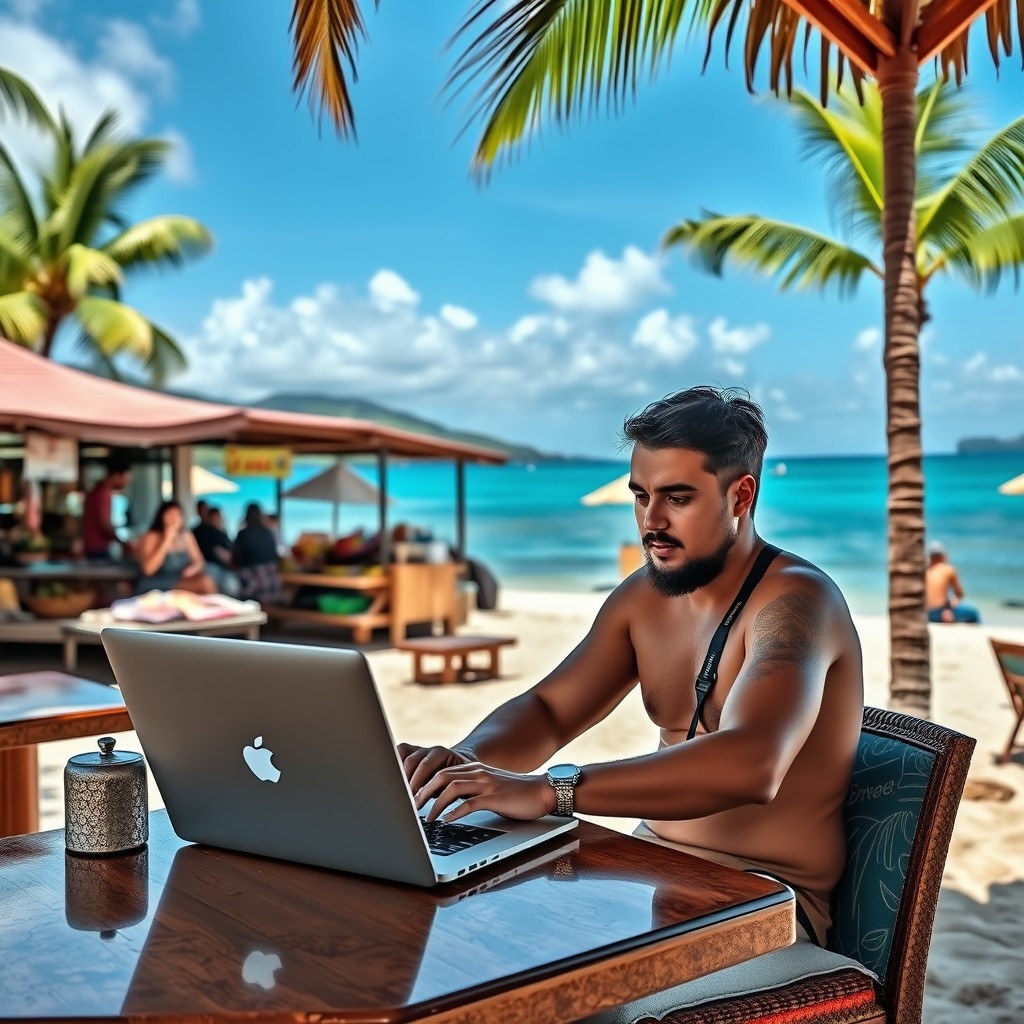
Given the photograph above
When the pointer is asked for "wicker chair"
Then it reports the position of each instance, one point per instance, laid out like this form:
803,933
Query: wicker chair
1011,665
906,786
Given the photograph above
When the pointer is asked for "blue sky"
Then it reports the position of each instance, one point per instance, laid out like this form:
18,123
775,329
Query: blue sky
538,307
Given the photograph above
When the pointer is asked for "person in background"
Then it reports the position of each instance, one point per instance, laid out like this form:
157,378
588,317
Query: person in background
202,508
215,546
254,558
169,557
943,590
98,531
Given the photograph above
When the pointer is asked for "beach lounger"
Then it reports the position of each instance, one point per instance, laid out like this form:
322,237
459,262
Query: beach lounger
1011,664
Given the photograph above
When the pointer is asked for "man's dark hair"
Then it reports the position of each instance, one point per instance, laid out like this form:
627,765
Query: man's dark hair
118,464
723,424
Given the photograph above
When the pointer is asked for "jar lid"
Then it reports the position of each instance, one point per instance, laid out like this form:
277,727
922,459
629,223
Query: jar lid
107,755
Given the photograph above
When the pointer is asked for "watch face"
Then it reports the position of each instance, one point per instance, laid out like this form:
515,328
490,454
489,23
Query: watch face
563,771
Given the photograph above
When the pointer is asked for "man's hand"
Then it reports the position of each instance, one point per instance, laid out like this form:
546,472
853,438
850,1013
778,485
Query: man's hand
421,764
482,788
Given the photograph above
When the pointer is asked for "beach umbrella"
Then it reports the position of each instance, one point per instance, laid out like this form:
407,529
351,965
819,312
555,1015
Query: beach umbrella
337,484
1014,486
615,493
202,481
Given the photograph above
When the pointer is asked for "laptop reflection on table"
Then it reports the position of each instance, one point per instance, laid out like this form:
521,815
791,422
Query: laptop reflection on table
243,934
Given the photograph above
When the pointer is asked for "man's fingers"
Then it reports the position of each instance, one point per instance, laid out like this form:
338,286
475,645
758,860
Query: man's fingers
412,757
466,807
427,767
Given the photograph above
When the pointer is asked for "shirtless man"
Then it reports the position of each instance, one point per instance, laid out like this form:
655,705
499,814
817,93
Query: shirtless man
943,590
763,782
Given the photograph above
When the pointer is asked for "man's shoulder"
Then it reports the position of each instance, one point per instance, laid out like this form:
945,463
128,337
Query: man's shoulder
794,579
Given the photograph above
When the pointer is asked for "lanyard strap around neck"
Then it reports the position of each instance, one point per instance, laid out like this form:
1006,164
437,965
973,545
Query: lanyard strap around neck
709,671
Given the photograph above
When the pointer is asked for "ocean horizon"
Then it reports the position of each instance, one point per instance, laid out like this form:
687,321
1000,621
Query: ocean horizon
526,524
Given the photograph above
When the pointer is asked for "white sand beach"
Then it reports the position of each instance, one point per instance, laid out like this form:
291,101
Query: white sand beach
977,955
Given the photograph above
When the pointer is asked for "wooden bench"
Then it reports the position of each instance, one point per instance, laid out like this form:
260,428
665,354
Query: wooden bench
454,649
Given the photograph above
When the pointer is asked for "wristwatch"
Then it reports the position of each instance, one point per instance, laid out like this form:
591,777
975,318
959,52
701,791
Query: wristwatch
563,779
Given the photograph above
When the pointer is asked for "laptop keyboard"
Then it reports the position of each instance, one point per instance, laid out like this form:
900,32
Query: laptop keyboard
445,838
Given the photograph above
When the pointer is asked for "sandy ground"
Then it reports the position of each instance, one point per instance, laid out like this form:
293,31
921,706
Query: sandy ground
977,954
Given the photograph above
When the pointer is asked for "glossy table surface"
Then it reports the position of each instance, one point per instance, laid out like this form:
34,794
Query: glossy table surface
201,934
36,707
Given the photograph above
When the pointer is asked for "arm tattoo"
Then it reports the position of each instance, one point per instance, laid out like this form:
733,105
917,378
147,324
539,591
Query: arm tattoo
786,632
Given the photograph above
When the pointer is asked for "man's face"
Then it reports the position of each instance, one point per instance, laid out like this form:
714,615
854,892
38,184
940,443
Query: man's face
215,519
119,481
687,526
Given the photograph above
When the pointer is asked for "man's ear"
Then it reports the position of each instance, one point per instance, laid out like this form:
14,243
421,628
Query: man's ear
742,492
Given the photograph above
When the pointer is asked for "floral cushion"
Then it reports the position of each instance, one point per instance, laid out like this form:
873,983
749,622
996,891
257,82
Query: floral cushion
882,812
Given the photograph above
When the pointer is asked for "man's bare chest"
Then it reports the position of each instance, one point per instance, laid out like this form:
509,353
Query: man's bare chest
669,657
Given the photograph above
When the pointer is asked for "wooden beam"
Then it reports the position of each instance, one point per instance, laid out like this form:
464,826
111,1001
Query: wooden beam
943,21
851,27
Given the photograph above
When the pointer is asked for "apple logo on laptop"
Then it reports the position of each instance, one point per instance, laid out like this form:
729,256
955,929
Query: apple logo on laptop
259,968
260,761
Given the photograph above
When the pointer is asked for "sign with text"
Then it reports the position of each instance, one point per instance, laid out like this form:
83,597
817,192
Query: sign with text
245,461
50,458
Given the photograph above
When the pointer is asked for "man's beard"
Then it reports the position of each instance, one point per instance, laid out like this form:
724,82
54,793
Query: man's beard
696,573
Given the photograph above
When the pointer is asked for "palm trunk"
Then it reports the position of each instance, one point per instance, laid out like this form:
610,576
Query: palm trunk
52,323
910,683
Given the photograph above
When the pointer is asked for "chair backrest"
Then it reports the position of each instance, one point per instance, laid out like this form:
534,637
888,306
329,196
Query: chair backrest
907,781
1011,665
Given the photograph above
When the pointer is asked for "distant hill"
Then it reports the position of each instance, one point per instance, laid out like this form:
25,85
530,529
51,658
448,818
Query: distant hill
361,409
978,445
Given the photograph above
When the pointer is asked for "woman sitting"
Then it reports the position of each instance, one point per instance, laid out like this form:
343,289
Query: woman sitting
169,556
254,559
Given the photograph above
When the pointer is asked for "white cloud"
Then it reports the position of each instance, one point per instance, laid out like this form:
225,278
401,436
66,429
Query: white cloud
604,284
867,339
180,164
670,338
125,46
184,19
734,367
777,395
27,9
976,362
788,414
1006,372
389,290
728,340
461,319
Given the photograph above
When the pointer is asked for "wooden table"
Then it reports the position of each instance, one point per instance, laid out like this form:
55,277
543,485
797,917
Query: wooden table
36,707
195,934
77,631
454,649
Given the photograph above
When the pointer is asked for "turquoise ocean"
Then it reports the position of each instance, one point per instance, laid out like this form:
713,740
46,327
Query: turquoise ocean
526,523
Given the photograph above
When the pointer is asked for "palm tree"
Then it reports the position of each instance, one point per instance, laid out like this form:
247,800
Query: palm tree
970,226
66,250
532,61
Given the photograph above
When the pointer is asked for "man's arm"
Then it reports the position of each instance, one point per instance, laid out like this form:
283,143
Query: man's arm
527,730
793,640
955,585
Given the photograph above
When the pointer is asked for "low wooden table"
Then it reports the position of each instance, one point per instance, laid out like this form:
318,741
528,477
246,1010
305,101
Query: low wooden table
455,649
190,934
77,631
36,707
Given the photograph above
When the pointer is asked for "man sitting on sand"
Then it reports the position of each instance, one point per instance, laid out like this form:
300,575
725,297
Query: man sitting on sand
761,784
943,591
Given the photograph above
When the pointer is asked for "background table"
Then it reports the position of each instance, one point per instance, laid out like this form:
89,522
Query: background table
36,707
76,631
194,934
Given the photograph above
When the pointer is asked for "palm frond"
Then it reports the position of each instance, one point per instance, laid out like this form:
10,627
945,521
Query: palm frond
953,59
159,241
87,268
798,258
846,138
555,58
22,318
166,357
15,256
989,187
985,256
103,131
114,328
14,198
18,96
325,33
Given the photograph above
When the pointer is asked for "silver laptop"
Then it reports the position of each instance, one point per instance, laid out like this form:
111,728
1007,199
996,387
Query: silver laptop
284,750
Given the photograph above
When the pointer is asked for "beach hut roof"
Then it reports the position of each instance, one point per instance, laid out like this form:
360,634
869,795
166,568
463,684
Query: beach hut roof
1014,486
39,394
615,493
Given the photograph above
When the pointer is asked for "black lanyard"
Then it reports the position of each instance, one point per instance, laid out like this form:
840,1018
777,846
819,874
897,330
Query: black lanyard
709,673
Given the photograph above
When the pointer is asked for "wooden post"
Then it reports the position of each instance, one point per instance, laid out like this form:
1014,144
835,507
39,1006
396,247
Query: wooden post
460,508
181,477
382,505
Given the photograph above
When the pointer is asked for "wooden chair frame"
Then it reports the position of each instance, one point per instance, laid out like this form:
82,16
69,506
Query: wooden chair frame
841,998
1015,687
